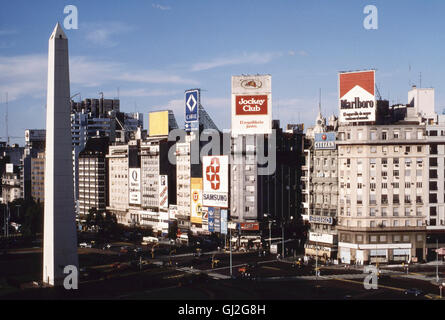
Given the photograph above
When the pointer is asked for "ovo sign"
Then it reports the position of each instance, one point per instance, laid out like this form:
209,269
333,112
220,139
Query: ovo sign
251,105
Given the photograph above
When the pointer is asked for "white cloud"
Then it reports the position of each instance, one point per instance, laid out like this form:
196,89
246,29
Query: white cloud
7,32
154,77
26,75
245,58
103,34
300,53
143,92
160,7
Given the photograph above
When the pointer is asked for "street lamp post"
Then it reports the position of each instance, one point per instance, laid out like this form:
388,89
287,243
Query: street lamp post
282,235
316,259
230,246
437,260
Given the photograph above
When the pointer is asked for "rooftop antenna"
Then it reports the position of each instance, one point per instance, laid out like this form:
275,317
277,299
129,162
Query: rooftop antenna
117,93
6,120
319,101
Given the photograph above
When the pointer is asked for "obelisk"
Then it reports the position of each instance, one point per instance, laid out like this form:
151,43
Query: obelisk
60,237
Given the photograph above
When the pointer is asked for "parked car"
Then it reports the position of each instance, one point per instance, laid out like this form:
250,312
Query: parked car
85,245
414,292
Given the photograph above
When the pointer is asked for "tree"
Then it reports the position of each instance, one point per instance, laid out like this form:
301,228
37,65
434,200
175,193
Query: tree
173,230
33,220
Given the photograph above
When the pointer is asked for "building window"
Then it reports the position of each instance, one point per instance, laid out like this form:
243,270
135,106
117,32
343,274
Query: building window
433,197
395,199
384,199
419,149
395,212
433,211
384,135
396,134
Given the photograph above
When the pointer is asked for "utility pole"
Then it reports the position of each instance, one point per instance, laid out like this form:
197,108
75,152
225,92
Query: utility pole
316,260
6,120
437,260
282,235
270,234
230,246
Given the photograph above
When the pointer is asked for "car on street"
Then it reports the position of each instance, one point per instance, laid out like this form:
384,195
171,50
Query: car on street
85,245
413,292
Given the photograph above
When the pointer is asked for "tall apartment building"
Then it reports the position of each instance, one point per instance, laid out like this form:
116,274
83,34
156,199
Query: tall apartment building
34,144
188,157
93,178
38,177
383,191
183,176
155,167
99,117
259,197
117,158
320,188
10,184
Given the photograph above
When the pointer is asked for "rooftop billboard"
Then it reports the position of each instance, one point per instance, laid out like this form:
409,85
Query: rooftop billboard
357,102
252,104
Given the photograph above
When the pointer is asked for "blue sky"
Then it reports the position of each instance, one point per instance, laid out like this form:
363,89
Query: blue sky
154,50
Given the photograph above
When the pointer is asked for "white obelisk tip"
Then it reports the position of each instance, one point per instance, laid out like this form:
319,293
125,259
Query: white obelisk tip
58,32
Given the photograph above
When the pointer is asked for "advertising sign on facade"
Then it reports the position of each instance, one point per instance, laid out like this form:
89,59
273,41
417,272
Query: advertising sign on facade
205,219
192,102
172,211
196,200
134,182
215,172
252,104
357,102
158,123
163,193
217,218
211,219
9,168
250,226
325,141
321,237
224,221
320,219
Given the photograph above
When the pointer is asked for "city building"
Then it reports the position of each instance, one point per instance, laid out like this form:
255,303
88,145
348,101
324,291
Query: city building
93,178
383,184
118,187
9,154
10,184
320,188
189,162
99,117
38,177
34,144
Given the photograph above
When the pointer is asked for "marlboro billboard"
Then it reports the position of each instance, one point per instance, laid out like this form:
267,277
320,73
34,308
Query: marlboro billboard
357,101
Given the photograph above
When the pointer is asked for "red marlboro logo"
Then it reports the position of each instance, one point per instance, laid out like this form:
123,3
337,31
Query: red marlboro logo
364,80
